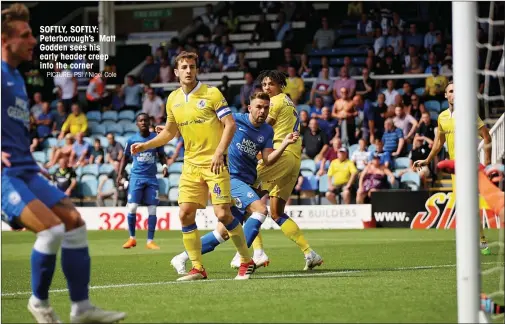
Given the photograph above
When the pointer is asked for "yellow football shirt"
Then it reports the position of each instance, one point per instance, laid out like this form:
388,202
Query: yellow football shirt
283,111
198,116
341,171
294,87
446,124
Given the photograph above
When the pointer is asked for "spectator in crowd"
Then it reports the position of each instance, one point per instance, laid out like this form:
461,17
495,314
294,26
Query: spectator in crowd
209,63
416,67
315,141
407,60
159,55
325,63
36,108
379,44
395,40
341,176
416,108
317,109
246,90
114,152
150,71
44,124
398,102
322,87
366,86
344,82
426,130
263,31
367,116
132,93
243,64
390,93
364,27
432,61
420,151
97,154
117,101
153,106
324,37
80,152
209,18
407,94
305,71
393,138
390,65
373,178
345,111
354,9
304,121
65,178
96,95
76,122
385,157
327,123
294,86
398,22
228,58
382,107
225,88
435,85
352,70
68,85
297,190
406,123
166,72
57,92
360,156
289,59
283,27
60,116
413,37
113,192
232,22
58,153
330,155
447,65
430,37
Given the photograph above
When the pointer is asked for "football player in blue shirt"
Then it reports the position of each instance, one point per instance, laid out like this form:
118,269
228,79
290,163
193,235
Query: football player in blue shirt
143,184
252,136
30,201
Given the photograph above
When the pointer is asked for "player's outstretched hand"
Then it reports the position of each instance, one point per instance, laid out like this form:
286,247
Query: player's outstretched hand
291,138
159,129
137,148
419,164
217,164
5,159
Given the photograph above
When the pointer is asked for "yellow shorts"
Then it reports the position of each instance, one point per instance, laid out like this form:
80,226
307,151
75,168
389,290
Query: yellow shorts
196,181
280,178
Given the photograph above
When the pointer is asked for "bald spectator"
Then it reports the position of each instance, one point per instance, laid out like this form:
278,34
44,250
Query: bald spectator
327,123
315,141
406,123
345,111
76,122
344,82
390,92
393,138
294,86
153,106
324,37
322,87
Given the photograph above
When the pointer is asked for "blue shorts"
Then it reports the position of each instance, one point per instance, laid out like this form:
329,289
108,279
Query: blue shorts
243,196
19,191
143,191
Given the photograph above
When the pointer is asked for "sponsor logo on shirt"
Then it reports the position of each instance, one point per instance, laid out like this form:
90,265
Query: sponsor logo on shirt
248,147
201,104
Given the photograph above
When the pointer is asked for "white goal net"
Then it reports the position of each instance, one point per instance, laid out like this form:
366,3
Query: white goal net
491,95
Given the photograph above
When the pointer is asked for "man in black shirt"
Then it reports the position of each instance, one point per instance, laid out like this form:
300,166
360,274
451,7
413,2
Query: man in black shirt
426,130
315,141
65,178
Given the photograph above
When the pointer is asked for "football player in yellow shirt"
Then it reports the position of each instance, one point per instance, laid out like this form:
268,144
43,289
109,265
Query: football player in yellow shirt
280,178
446,133
201,115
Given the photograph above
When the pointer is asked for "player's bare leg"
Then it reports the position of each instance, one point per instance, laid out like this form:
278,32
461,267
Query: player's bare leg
191,241
293,232
75,262
236,233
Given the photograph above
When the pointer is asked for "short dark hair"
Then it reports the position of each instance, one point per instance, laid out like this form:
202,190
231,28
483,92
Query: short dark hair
142,114
274,75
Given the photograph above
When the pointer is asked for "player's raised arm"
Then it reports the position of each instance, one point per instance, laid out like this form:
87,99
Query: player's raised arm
271,156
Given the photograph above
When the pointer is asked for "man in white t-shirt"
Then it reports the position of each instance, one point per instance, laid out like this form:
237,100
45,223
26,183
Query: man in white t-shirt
68,85
153,106
390,92
360,156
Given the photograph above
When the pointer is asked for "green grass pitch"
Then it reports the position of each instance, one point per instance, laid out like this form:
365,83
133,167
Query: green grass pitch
376,275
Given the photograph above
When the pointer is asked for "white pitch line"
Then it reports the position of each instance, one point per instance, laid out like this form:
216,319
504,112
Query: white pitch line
294,275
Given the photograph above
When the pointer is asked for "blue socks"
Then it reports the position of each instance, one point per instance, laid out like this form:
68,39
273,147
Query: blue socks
282,219
252,227
151,227
76,263
131,224
210,241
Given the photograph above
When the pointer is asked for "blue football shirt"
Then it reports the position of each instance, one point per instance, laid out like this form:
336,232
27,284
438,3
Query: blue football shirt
247,142
144,164
16,123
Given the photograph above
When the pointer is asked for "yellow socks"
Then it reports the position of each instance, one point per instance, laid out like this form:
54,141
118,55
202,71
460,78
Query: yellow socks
257,244
237,236
193,245
293,232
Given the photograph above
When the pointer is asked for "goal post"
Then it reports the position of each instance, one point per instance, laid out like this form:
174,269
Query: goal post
464,29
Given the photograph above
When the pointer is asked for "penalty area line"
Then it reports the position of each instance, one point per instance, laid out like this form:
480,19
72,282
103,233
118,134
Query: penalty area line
281,276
